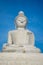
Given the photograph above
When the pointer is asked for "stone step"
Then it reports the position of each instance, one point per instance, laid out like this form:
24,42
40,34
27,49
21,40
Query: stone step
21,58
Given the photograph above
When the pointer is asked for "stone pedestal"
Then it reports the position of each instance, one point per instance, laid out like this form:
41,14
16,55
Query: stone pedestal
21,58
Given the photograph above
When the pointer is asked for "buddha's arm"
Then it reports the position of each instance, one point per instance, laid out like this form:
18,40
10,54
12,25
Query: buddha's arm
31,39
9,38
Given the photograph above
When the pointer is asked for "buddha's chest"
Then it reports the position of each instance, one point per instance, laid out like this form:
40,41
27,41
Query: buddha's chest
21,37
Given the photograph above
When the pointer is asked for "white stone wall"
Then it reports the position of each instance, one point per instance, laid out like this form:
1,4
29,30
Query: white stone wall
21,58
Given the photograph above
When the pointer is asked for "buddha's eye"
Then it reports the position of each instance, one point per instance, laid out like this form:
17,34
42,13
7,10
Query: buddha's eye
19,20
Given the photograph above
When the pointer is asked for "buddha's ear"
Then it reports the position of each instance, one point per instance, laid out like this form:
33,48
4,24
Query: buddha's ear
26,22
15,22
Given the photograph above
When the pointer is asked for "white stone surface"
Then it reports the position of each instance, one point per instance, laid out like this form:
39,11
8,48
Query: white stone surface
21,58
21,39
20,48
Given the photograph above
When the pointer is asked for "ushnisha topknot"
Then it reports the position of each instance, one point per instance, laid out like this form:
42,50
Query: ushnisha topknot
20,14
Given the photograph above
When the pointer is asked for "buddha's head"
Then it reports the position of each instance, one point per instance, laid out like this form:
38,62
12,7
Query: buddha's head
21,20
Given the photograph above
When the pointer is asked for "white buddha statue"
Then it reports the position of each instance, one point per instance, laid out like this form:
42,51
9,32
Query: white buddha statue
21,39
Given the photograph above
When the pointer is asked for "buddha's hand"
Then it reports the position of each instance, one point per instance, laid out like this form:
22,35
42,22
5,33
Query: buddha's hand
5,45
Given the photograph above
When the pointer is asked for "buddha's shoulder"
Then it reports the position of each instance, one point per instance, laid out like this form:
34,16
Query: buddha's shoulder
28,31
12,31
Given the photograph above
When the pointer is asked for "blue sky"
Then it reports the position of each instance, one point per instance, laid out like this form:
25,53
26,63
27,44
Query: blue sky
33,9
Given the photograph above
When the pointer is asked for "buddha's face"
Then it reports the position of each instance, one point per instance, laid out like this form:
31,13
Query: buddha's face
21,21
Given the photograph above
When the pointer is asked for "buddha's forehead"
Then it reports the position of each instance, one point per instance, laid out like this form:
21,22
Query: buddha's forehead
21,18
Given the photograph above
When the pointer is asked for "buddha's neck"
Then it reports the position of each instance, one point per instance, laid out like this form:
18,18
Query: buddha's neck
20,28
